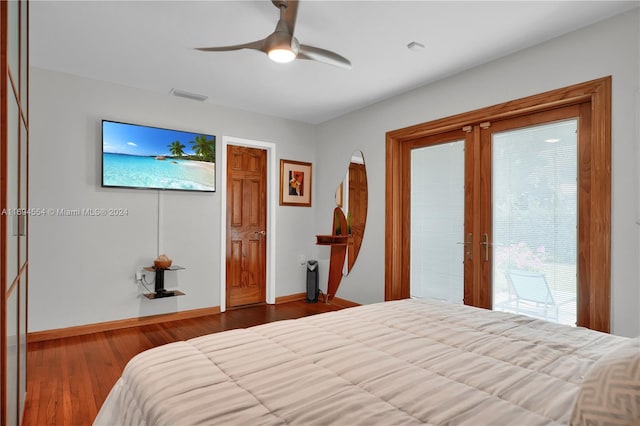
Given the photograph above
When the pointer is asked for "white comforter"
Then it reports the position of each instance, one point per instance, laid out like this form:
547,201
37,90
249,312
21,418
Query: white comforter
402,362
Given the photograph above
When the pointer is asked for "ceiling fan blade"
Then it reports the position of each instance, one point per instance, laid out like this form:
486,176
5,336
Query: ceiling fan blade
256,45
324,56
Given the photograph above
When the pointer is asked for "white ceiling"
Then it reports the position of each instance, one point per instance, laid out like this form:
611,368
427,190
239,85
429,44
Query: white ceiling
149,45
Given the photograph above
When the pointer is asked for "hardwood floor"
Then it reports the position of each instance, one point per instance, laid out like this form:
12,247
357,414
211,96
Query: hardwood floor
68,379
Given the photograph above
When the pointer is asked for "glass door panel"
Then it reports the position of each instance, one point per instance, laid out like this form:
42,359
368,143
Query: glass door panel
13,215
24,55
22,347
437,221
13,43
534,220
11,349
23,196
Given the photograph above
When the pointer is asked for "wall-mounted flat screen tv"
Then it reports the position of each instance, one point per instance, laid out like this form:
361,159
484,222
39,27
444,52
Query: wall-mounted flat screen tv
136,156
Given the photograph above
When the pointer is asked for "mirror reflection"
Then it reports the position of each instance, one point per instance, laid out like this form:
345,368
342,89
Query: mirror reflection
352,197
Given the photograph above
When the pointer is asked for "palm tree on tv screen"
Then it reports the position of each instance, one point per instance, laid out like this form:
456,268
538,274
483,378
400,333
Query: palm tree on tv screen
177,148
205,148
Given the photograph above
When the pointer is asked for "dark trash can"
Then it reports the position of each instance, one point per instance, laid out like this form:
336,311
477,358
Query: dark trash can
312,281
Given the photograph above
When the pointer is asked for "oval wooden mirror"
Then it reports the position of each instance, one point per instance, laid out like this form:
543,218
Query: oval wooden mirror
352,197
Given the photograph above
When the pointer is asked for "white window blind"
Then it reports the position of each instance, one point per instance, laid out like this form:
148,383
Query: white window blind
437,222
534,220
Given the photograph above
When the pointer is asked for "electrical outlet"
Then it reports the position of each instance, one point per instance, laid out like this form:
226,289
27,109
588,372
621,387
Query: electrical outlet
139,274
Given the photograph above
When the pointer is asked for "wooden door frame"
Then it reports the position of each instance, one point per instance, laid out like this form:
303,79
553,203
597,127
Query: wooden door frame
597,232
272,202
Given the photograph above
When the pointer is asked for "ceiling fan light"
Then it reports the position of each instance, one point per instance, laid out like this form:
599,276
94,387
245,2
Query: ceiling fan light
282,55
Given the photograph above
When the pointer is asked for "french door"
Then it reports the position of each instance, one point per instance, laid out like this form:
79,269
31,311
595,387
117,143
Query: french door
529,213
440,246
510,214
524,259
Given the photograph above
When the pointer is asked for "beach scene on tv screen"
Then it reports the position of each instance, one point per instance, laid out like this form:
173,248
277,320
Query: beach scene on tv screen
149,157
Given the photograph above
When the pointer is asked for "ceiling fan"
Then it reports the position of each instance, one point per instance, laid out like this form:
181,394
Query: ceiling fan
282,46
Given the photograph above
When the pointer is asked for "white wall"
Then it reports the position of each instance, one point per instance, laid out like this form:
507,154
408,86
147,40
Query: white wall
82,269
608,48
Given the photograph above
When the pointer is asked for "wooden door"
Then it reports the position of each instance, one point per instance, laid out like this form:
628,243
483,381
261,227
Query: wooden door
529,207
246,226
440,217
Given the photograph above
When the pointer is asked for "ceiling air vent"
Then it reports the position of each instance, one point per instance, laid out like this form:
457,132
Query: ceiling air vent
188,95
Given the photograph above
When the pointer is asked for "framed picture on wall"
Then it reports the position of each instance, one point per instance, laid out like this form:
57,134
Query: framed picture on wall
295,183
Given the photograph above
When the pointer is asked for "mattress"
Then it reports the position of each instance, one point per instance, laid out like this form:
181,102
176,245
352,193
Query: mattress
394,363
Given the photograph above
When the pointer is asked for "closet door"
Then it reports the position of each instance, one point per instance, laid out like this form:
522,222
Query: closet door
14,147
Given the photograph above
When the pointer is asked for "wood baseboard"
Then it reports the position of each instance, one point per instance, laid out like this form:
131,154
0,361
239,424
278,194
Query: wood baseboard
291,298
343,303
59,333
40,336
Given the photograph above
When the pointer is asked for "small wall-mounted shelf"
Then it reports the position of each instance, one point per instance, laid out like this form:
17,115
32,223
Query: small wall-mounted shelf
160,291
331,240
338,243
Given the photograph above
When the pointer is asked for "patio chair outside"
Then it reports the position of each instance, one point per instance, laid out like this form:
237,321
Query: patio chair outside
530,294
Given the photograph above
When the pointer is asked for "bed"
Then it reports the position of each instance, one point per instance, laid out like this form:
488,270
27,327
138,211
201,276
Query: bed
393,363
